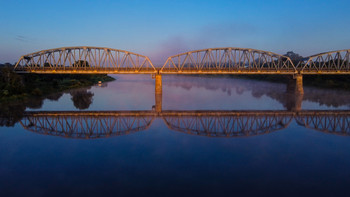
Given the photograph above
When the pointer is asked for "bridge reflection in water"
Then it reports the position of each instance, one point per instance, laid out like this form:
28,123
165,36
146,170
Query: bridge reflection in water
101,124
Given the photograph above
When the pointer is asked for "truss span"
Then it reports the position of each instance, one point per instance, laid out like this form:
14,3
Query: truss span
333,62
228,124
218,123
333,122
228,61
84,60
86,125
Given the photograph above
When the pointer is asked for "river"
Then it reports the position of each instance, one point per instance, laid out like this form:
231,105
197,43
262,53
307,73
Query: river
204,136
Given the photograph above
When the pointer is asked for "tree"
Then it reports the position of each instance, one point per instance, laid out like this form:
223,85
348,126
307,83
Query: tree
11,113
296,58
47,65
81,98
81,63
10,82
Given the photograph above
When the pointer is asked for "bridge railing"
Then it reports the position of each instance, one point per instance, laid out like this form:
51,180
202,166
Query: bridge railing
232,60
84,58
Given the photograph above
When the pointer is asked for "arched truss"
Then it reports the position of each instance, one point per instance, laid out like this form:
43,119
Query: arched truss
84,60
334,62
91,125
228,124
333,122
229,61
86,125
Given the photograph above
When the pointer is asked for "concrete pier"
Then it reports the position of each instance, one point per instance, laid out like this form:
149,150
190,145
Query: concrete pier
294,101
159,88
295,84
158,93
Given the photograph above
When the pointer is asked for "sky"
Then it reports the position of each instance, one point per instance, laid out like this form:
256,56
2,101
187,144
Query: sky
159,29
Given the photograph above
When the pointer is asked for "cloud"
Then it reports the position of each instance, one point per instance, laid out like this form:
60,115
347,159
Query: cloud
22,38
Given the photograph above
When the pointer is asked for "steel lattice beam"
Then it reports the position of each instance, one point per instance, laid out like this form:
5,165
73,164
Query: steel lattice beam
229,123
228,61
94,60
328,122
84,60
87,125
333,62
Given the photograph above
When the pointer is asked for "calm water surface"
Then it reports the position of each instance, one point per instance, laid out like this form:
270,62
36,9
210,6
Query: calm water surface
203,137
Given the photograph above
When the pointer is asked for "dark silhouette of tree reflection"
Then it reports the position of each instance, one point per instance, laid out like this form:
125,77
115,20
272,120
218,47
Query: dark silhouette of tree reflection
10,113
82,98
55,96
35,103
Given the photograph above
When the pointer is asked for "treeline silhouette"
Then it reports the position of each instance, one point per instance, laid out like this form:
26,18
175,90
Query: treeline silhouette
15,86
12,112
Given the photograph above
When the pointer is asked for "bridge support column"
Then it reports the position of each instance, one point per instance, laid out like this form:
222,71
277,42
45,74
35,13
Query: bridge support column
294,101
295,84
158,89
295,93
158,92
159,101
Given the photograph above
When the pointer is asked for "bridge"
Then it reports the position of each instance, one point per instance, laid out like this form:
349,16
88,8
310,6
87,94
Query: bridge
84,125
209,123
84,60
98,60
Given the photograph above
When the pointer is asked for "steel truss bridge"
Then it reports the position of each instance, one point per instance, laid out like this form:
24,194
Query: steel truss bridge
89,60
84,60
100,124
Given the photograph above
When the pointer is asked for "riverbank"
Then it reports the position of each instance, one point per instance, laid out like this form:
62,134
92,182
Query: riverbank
16,87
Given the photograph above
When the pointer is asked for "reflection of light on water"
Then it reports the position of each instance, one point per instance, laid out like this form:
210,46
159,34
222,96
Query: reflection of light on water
102,85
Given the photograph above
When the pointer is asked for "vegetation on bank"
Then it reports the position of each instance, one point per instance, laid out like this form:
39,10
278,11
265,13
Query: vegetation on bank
15,86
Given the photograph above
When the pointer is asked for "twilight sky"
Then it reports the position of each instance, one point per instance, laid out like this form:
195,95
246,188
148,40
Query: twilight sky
159,29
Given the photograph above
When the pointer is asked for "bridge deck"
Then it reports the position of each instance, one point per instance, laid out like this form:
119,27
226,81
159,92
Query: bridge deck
189,113
70,70
237,71
325,72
